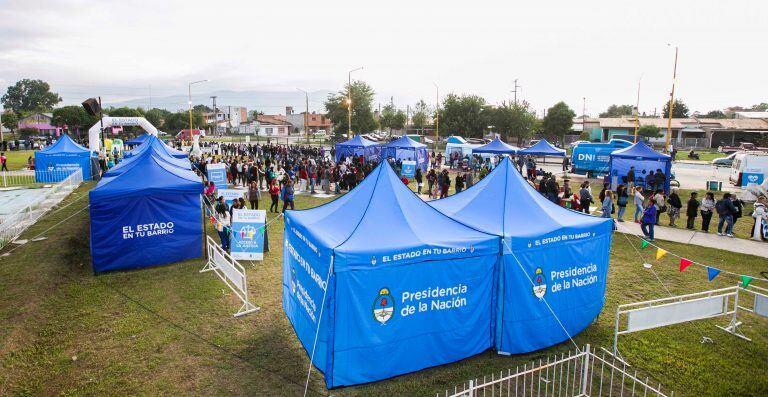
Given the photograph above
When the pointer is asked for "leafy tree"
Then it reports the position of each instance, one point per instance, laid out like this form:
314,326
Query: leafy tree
558,121
10,121
74,117
178,121
156,117
762,107
420,118
392,118
618,111
254,114
463,115
125,112
202,108
715,114
679,110
650,131
27,96
25,133
363,120
513,120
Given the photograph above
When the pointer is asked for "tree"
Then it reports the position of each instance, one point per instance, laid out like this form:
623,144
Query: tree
618,111
202,108
10,121
125,112
25,133
558,121
156,117
420,117
363,120
392,118
513,120
463,115
715,114
28,96
254,114
74,117
679,110
650,131
180,121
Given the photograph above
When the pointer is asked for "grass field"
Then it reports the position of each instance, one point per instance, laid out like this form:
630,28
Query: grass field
169,330
17,159
703,156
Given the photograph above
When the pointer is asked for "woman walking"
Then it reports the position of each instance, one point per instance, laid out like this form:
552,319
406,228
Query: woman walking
638,200
707,208
674,207
254,195
607,203
287,195
223,225
649,220
621,200
419,180
274,194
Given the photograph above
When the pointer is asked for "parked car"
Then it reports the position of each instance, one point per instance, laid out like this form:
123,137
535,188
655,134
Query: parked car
724,161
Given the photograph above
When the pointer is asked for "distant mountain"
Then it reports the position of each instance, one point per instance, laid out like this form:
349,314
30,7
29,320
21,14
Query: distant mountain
269,102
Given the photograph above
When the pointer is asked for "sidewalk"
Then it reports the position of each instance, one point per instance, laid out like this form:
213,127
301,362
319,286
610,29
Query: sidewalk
709,240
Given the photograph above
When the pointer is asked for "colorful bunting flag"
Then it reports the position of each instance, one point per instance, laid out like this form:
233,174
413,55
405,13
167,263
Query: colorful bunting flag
745,280
684,263
660,253
712,273
644,244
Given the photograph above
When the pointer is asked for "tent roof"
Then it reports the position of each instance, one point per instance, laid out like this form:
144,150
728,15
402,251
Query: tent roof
147,174
381,215
357,141
153,147
404,142
65,144
504,204
543,148
138,140
456,139
496,146
639,151
159,146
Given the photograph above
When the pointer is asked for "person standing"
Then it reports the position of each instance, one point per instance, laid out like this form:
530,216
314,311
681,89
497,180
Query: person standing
445,184
254,195
739,208
288,195
675,204
274,193
638,200
566,163
649,220
223,224
459,182
661,205
707,208
631,179
691,210
621,201
607,204
4,162
760,214
585,197
419,180
725,210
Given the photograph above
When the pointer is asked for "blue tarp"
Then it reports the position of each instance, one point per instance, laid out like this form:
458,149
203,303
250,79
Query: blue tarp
644,159
58,161
542,148
549,252
157,149
405,287
138,140
157,143
149,214
496,146
405,148
357,146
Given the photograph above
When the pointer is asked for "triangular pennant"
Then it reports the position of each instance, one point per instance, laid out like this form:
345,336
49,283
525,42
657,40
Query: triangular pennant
684,263
745,280
660,253
712,273
644,244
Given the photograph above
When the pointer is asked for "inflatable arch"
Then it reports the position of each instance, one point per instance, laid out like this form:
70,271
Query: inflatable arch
93,133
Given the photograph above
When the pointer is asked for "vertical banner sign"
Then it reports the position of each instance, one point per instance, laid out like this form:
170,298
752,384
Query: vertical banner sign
408,169
248,234
752,175
217,173
230,195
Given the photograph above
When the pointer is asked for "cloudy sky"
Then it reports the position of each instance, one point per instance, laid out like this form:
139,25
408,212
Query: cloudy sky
558,50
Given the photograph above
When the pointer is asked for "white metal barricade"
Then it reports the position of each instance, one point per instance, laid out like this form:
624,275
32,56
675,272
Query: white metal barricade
231,272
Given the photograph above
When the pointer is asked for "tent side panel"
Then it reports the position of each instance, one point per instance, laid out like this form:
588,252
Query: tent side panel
305,271
55,167
400,319
570,276
620,166
142,231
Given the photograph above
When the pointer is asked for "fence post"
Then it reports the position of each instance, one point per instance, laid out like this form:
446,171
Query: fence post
471,388
585,371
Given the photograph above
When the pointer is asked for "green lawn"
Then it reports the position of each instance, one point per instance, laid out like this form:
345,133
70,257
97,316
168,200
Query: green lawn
703,156
169,330
17,159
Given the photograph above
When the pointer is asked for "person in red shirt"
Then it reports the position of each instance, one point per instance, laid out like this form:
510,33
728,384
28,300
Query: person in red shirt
274,193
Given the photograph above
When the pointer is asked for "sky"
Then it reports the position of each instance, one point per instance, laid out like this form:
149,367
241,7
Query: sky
592,52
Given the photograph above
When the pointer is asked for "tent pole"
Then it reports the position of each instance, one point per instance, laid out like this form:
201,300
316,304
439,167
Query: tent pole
205,231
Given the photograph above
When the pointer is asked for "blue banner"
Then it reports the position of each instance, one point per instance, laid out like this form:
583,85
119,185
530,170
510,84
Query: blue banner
248,234
230,195
752,176
408,169
217,173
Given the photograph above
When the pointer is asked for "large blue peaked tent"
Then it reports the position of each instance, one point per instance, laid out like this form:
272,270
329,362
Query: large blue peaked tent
357,146
405,148
496,146
404,286
138,140
644,159
156,148
157,144
149,214
542,148
551,257
58,161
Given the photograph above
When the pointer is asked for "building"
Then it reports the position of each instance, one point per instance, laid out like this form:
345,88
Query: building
316,123
41,122
267,125
227,117
686,133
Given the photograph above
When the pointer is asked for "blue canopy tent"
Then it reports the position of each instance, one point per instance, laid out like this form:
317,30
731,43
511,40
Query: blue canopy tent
58,161
496,146
405,148
404,287
357,146
644,159
157,144
149,214
138,140
155,148
542,148
552,258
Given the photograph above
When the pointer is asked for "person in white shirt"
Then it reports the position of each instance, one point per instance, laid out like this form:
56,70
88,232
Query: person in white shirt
638,202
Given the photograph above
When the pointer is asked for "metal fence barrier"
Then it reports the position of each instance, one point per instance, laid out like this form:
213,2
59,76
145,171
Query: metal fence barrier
583,372
31,177
14,224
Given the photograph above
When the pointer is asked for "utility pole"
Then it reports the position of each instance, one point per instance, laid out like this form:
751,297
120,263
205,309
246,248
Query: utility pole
437,114
349,103
407,116
306,113
671,101
583,114
637,108
515,90
215,127
150,97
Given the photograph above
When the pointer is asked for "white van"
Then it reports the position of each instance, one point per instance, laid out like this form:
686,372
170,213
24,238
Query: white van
749,167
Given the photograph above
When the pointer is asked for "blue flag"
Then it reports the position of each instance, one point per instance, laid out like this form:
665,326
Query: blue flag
712,273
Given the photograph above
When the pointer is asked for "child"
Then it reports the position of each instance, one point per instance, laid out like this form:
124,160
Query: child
649,220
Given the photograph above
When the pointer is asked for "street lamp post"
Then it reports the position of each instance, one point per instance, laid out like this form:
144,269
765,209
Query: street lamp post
637,107
349,102
437,114
306,113
190,104
671,100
